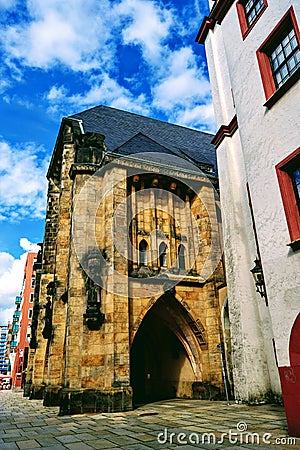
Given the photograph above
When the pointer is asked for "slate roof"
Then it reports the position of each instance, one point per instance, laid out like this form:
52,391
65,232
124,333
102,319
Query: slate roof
128,133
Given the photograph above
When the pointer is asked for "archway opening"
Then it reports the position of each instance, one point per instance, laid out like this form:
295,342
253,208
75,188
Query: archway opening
161,367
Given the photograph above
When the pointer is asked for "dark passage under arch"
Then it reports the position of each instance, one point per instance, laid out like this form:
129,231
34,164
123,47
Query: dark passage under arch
160,365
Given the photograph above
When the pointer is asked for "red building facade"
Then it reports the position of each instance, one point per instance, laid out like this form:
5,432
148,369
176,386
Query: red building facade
24,327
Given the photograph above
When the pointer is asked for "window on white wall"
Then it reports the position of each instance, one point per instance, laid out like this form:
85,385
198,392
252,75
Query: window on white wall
285,58
288,173
249,11
279,58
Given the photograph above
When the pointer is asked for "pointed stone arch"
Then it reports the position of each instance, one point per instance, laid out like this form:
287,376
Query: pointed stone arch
165,322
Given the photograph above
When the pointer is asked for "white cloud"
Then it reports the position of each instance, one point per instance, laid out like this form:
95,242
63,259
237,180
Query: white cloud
104,90
201,116
148,25
184,92
14,99
73,33
81,36
184,81
6,315
57,93
22,181
28,246
7,4
11,278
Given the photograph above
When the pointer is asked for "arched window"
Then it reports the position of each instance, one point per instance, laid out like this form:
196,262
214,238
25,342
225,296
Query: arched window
181,257
162,255
143,247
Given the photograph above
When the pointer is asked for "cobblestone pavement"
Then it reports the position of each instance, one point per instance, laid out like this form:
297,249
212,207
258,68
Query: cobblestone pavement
170,424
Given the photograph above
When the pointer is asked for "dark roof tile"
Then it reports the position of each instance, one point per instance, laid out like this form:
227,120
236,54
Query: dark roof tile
119,127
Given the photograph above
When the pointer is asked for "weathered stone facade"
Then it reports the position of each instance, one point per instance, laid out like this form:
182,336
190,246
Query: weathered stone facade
124,320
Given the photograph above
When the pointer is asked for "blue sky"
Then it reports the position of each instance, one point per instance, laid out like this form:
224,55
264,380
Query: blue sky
59,58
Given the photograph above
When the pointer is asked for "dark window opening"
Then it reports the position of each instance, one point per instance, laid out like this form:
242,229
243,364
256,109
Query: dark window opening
181,257
143,247
163,255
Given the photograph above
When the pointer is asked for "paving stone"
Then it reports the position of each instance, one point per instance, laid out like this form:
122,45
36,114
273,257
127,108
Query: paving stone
67,439
55,447
136,447
29,444
86,437
78,446
48,441
135,430
9,446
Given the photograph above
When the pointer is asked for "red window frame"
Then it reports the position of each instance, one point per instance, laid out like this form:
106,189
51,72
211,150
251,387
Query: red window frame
245,28
272,94
288,195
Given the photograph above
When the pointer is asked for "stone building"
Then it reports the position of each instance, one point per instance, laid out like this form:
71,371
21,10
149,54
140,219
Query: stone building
253,52
130,302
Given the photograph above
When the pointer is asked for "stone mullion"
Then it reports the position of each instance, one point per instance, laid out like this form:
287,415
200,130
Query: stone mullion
184,233
209,222
134,226
154,248
191,237
198,208
141,208
173,250
166,224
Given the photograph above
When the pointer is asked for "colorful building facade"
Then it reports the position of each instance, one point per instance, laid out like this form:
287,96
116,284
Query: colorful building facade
21,326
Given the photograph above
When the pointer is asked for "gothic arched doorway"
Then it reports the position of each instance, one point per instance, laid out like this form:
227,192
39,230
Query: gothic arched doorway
165,354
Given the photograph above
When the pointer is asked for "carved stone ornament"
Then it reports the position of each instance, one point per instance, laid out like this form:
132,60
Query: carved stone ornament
47,330
90,149
93,316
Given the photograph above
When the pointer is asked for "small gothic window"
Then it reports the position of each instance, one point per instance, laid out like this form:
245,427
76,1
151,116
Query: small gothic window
181,257
143,247
162,255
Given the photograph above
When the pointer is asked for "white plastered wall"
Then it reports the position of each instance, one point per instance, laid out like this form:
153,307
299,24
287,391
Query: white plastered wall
264,138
